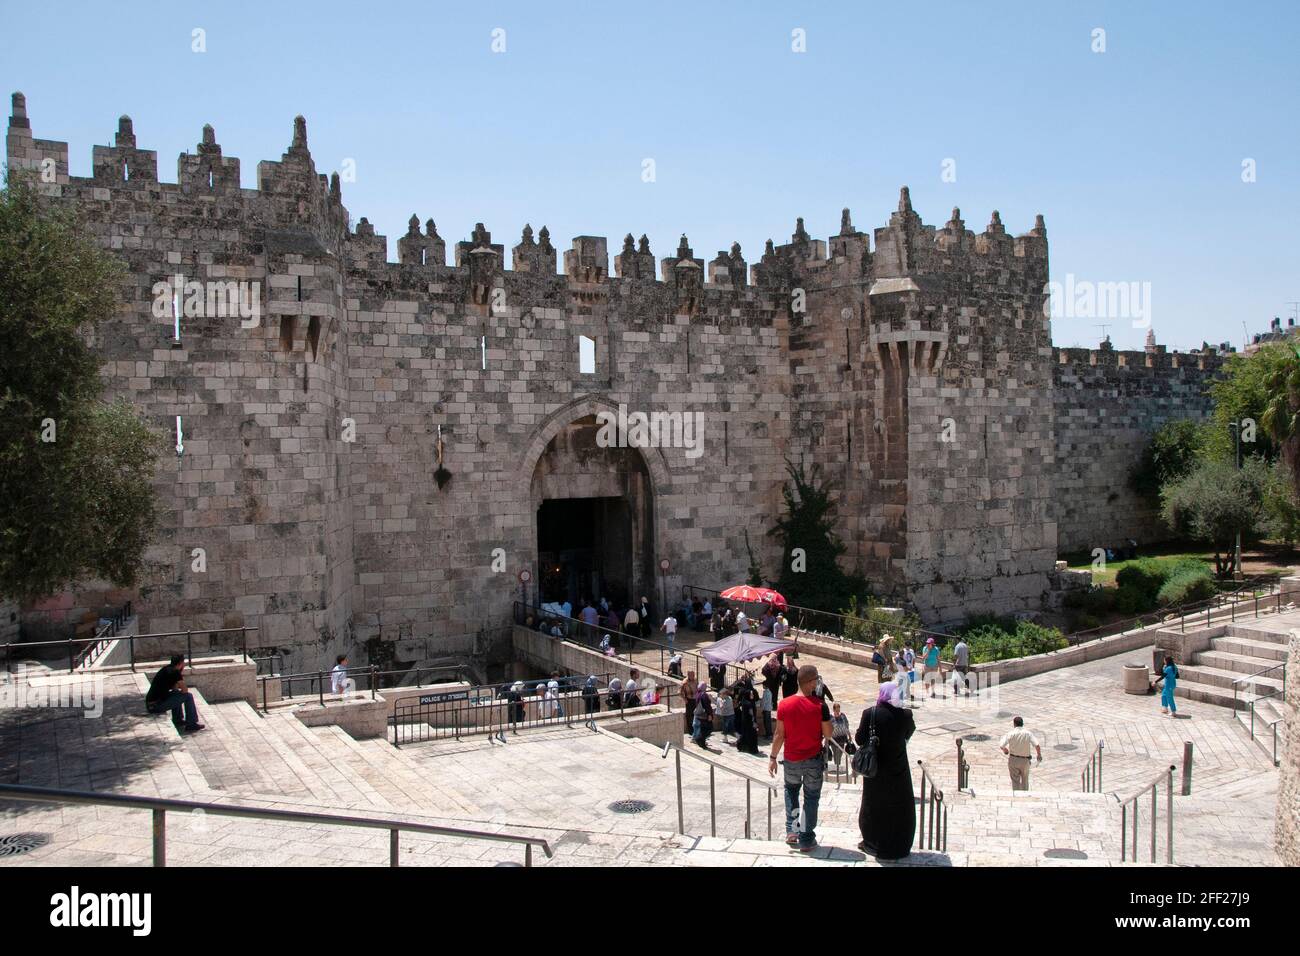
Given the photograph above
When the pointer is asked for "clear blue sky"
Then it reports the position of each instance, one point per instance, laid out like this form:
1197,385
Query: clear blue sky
1133,155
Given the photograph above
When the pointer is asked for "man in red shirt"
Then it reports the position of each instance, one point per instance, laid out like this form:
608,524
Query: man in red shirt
803,722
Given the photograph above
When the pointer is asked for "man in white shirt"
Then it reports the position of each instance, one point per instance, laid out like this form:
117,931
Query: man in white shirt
670,628
742,622
1017,745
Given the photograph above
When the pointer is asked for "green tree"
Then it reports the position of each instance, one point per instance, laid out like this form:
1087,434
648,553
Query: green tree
808,525
1171,453
75,493
1216,500
1262,387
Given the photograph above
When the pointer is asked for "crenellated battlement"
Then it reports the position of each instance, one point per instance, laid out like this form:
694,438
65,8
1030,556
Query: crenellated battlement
298,195
1153,357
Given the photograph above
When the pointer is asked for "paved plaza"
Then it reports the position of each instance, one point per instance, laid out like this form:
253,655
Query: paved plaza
562,782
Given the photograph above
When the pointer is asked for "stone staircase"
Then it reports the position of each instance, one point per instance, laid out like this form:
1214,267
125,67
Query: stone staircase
1245,650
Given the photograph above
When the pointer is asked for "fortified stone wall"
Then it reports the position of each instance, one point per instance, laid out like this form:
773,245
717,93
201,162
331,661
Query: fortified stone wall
364,464
1287,834
1107,405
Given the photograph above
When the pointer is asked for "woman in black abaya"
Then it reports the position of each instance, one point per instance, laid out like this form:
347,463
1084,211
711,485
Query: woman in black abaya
746,703
887,819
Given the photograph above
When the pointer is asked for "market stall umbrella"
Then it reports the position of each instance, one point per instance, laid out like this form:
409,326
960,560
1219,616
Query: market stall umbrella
744,647
753,595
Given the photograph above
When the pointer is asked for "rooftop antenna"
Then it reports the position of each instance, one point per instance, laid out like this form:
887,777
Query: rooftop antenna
1105,331
1295,311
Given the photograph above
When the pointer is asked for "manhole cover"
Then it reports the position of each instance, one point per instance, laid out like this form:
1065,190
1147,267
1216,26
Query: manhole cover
1066,747
957,728
18,843
1005,713
631,806
976,738
507,864
1065,854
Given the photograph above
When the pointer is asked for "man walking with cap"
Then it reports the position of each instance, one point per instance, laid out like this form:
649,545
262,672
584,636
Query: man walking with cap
803,722
1017,745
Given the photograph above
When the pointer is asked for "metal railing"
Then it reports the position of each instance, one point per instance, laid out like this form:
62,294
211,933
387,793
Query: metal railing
1167,777
161,807
370,675
105,636
841,627
625,647
714,766
1255,698
963,767
1091,774
842,753
931,804
71,643
490,710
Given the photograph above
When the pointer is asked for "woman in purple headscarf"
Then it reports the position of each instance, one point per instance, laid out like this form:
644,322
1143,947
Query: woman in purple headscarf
887,818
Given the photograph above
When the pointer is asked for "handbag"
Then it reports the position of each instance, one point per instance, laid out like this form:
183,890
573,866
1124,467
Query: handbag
866,762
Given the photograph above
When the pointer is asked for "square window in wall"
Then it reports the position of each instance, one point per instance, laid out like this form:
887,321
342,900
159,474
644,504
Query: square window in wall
586,355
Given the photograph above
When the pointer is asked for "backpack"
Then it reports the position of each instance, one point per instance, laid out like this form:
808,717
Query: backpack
866,762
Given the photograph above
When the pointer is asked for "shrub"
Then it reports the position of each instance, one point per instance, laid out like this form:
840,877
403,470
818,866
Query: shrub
1187,586
1145,577
1132,599
993,639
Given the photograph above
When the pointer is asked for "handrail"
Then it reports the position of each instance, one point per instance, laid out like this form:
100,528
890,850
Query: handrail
938,810
131,639
104,636
160,806
371,671
578,629
848,765
1091,774
1153,787
713,806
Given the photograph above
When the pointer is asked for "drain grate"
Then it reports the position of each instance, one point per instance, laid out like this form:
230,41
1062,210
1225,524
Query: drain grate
1005,713
631,806
16,844
977,738
1065,854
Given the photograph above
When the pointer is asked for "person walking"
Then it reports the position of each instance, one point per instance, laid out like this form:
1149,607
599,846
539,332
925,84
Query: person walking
839,733
803,724
790,679
591,700
961,667
930,665
902,680
703,720
887,817
746,714
631,626
1169,677
765,705
670,628
647,622
1018,745
689,691
727,714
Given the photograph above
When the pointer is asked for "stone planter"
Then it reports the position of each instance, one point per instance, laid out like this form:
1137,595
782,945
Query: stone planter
1137,679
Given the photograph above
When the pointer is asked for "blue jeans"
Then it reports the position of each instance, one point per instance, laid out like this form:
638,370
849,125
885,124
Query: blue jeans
181,704
803,775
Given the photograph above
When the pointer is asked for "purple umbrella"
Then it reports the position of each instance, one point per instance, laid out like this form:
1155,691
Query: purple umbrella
744,647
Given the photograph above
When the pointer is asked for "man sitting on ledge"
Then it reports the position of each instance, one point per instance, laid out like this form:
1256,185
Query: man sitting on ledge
168,692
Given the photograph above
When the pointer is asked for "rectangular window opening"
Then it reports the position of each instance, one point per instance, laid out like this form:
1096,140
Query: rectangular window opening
586,355
482,344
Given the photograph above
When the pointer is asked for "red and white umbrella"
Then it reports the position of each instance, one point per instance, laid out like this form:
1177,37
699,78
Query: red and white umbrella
753,595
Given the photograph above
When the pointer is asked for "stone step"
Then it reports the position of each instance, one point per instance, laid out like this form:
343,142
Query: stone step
1265,651
1255,632
1212,668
